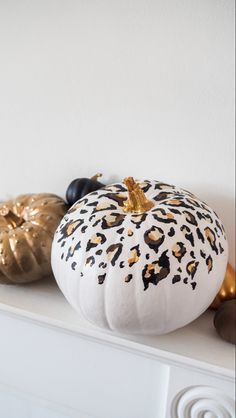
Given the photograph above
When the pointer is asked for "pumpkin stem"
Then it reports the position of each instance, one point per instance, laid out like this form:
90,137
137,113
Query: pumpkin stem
137,201
12,220
96,176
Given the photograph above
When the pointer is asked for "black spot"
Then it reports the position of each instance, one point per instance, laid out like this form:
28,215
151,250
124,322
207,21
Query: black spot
98,252
203,254
101,278
179,269
145,186
193,202
92,217
83,211
72,250
63,243
217,232
200,236
162,196
90,261
93,203
204,216
192,254
177,202
115,188
81,274
221,248
161,186
73,265
128,278
100,209
193,284
175,211
176,278
171,232
190,218
220,227
83,229
120,231
113,252
147,256
137,220
116,197
122,264
188,235
185,280
122,238
62,256
97,222
154,237
209,263
161,215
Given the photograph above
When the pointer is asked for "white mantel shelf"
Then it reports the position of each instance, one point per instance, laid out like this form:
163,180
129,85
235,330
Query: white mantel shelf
195,348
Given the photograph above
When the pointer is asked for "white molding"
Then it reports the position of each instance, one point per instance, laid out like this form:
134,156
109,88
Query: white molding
97,336
202,401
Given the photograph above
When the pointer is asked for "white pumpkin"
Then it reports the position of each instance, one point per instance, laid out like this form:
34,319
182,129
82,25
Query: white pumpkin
140,263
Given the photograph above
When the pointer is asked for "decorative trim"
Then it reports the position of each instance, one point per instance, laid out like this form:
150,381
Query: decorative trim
202,402
117,342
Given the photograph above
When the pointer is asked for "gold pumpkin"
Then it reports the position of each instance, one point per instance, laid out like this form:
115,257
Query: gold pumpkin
227,290
27,226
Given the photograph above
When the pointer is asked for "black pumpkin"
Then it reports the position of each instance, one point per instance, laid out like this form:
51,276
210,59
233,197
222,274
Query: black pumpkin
225,320
78,188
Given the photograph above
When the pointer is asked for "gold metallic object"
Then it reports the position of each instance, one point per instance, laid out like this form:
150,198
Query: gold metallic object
96,176
137,201
27,226
227,290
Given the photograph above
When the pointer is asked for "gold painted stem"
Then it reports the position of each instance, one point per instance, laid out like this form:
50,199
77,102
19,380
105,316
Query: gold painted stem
137,201
96,176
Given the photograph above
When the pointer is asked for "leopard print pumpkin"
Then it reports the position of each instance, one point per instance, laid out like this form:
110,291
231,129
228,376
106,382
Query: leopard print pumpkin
144,272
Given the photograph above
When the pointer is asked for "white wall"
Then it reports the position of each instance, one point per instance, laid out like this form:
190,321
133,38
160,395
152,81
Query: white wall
141,88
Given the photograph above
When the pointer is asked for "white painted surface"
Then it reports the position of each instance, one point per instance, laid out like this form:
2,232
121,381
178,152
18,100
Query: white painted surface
53,364
143,88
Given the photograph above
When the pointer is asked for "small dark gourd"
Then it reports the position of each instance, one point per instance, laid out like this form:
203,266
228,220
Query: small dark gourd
78,188
225,321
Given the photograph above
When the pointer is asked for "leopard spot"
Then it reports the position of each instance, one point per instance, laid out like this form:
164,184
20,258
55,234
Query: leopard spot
176,278
134,255
192,268
154,237
156,271
113,252
211,238
101,278
179,251
128,278
209,263
95,240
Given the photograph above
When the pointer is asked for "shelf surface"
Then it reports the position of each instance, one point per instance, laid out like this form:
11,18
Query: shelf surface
195,344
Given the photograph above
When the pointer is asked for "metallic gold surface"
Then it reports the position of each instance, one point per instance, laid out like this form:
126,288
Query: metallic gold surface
227,290
137,201
27,226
